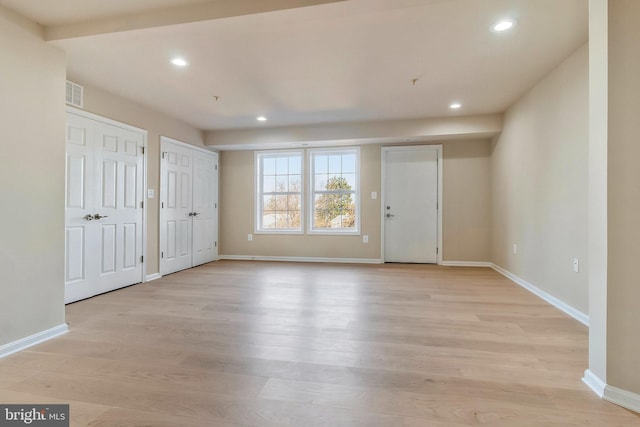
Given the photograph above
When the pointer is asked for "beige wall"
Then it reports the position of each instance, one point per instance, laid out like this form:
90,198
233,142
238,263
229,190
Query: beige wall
466,211
539,184
623,225
466,221
32,159
157,124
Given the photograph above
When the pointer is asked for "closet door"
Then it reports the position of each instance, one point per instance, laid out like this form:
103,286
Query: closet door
176,208
104,215
188,206
205,207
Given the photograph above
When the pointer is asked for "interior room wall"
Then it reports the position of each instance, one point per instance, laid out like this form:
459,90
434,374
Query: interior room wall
157,124
540,184
466,214
623,191
32,163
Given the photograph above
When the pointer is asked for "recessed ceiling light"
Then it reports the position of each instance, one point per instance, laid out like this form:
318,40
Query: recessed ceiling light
262,119
504,25
455,106
180,62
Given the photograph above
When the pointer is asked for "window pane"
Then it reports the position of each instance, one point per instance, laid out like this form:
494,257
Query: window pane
282,165
320,182
269,219
268,203
295,165
349,163
269,184
295,183
281,203
320,164
282,183
335,164
349,181
268,166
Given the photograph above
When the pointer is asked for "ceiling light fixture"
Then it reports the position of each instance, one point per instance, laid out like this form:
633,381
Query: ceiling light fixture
262,119
504,25
455,106
179,62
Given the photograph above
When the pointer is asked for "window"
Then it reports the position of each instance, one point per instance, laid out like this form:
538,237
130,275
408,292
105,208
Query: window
334,182
279,192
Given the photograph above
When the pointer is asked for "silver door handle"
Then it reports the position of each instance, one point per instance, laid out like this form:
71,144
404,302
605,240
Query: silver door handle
88,217
389,215
98,216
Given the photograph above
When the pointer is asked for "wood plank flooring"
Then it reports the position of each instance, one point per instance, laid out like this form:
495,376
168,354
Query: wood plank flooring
237,343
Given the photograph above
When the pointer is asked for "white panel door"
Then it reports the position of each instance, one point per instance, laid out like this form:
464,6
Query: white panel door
104,194
80,235
118,197
176,209
411,205
205,207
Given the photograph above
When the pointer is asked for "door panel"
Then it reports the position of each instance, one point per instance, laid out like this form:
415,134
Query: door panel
189,203
175,195
104,178
411,205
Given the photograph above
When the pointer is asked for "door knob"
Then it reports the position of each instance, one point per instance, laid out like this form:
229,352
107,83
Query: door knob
196,213
98,216
389,215
88,217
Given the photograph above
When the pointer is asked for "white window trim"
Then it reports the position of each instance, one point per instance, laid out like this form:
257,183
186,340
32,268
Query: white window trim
257,194
333,232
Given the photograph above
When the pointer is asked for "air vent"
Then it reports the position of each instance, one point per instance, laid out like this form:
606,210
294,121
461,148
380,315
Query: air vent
74,94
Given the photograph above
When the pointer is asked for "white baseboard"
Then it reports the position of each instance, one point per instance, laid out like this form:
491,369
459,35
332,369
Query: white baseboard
466,264
618,396
594,382
151,277
26,342
301,259
573,312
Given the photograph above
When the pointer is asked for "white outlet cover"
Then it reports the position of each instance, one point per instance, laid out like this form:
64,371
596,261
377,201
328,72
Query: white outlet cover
151,193
374,195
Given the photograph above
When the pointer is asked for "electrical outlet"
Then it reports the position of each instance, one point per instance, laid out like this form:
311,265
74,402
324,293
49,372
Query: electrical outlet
365,239
249,237
374,195
515,249
576,265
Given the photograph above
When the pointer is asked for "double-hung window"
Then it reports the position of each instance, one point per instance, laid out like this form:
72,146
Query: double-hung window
334,187
279,190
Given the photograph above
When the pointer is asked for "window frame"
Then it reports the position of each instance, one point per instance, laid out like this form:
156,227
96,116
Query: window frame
258,211
311,152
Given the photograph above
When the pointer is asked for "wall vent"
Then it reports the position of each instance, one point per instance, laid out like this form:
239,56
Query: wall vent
74,94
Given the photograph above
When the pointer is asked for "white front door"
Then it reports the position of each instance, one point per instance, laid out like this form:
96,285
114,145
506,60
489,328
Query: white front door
205,207
104,215
410,205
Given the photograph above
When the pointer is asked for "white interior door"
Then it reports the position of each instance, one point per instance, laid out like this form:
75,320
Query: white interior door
205,207
411,204
104,215
189,206
176,208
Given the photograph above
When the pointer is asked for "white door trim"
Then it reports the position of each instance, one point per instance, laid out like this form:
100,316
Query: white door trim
184,145
145,156
438,149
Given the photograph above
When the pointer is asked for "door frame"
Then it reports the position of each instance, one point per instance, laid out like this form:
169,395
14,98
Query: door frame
162,236
383,165
145,155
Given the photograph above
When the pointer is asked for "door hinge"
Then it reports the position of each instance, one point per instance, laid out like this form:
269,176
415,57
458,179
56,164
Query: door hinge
142,205
162,205
216,167
437,250
161,254
163,153
216,206
216,243
142,258
142,150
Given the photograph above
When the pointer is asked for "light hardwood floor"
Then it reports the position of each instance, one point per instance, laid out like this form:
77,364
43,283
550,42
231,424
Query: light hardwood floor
275,344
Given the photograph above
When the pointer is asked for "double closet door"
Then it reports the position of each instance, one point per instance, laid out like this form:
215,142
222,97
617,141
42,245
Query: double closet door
104,206
188,206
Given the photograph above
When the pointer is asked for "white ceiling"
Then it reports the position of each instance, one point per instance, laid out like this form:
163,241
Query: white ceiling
337,62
